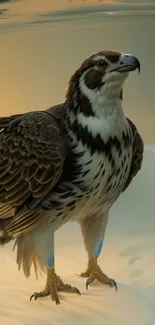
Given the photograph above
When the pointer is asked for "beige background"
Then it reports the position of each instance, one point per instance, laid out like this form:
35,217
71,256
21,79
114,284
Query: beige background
39,54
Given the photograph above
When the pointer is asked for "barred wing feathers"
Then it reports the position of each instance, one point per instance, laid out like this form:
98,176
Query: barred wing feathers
32,155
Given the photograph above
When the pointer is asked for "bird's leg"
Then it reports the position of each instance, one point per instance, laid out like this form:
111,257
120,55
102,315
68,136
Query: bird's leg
50,288
97,274
44,240
86,274
54,285
93,230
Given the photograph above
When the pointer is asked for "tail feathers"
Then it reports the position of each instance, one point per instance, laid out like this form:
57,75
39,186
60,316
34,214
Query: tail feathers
27,255
26,251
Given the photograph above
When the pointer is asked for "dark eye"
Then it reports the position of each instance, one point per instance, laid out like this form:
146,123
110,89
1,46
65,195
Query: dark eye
101,64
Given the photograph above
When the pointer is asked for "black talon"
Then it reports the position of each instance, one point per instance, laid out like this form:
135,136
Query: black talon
34,296
113,284
89,281
77,291
57,302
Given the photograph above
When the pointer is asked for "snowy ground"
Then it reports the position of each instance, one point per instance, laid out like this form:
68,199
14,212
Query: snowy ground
128,256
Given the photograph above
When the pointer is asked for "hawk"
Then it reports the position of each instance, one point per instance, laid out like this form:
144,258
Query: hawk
68,163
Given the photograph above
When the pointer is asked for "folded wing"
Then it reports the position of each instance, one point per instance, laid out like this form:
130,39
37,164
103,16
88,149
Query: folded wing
32,155
137,156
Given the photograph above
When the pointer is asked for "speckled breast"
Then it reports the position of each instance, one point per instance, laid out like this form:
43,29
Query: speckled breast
106,178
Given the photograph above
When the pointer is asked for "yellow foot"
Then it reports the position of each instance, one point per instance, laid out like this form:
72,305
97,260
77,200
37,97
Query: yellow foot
61,287
54,284
95,273
86,274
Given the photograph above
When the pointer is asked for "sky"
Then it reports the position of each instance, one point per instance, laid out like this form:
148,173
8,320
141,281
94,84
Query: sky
39,54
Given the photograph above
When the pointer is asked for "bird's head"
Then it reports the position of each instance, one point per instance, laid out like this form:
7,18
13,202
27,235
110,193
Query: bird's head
103,74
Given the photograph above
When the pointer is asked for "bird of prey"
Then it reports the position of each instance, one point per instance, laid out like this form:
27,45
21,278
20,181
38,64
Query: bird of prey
68,163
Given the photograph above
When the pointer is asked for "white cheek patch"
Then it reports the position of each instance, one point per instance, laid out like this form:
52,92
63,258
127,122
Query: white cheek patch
100,97
107,108
114,77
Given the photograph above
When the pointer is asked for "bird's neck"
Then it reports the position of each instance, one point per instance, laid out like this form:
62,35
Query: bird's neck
98,115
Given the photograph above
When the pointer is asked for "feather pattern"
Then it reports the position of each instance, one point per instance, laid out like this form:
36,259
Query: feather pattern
70,162
137,154
32,154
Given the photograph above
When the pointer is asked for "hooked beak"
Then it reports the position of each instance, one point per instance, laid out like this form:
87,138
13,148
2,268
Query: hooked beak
127,63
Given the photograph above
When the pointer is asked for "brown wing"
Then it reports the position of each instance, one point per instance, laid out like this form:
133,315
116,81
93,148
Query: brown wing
137,156
32,154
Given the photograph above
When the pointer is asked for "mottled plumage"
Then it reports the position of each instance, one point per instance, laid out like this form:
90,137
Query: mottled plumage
70,162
